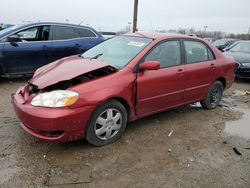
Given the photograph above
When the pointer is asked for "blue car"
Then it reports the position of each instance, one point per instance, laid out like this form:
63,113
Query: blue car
25,48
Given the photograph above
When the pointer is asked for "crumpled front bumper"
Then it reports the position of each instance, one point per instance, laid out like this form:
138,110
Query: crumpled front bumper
50,124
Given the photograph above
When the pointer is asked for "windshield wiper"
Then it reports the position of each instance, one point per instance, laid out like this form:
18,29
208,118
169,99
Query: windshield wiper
96,56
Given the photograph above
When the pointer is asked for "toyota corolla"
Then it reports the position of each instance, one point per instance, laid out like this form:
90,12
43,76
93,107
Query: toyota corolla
125,78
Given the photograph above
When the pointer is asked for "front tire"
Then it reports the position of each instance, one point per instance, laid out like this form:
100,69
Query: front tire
214,96
107,123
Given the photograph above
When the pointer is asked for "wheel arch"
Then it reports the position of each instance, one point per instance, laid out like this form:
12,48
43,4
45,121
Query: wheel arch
124,102
223,81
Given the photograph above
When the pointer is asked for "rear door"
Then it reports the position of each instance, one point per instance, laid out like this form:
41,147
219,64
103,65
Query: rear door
163,88
65,42
200,70
88,38
32,52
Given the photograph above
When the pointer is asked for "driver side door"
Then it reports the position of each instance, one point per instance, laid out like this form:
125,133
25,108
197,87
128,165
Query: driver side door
30,53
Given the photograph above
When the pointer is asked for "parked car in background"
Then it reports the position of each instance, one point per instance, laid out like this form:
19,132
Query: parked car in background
25,48
241,52
127,77
230,46
211,40
223,43
107,34
6,25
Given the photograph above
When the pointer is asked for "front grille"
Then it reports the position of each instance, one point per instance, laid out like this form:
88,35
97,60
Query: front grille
245,73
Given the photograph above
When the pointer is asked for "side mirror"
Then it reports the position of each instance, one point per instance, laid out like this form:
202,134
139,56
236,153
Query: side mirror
150,65
13,39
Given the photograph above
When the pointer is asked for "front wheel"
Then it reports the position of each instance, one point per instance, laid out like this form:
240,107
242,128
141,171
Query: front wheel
107,123
214,96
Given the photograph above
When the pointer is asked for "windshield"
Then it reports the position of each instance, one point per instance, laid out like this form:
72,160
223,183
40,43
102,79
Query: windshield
7,29
118,51
241,47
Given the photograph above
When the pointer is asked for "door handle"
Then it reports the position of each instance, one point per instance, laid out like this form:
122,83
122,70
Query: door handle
45,46
180,71
212,65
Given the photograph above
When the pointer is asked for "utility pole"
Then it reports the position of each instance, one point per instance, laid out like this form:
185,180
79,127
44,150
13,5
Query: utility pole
135,15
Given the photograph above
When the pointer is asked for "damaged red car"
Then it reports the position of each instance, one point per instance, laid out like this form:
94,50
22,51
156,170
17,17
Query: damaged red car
95,94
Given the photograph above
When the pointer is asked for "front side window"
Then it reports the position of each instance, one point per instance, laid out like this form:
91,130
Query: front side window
28,34
118,51
197,52
64,32
39,33
167,53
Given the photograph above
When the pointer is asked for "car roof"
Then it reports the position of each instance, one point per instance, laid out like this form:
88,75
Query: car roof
53,23
157,35
23,26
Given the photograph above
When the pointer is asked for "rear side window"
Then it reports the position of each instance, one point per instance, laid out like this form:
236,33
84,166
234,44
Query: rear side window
167,53
197,52
84,32
64,32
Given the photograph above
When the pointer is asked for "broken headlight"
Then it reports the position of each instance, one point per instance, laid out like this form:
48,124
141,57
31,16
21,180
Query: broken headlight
55,99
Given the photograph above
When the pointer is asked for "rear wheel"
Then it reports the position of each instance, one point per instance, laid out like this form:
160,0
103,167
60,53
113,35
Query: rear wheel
107,123
214,96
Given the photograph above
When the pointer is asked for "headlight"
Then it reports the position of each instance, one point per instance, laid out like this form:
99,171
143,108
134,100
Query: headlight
246,64
55,99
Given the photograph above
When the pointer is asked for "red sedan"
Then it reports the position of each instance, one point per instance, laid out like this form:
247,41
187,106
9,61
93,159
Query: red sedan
95,94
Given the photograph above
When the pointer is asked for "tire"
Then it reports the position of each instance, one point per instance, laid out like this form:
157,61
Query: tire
214,96
107,123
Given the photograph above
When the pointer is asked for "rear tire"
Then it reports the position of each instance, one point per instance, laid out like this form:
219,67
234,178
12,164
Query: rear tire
214,96
107,123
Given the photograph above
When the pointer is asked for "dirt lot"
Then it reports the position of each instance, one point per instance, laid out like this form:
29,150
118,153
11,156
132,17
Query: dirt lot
199,152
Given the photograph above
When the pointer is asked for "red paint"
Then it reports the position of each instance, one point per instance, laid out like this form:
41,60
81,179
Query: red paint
55,72
150,65
146,92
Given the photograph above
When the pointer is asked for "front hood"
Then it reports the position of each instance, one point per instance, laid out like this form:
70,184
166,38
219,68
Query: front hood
64,69
239,56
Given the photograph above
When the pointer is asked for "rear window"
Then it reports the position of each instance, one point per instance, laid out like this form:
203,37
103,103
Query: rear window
84,32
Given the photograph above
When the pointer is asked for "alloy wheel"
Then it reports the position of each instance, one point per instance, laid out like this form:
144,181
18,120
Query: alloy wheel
108,124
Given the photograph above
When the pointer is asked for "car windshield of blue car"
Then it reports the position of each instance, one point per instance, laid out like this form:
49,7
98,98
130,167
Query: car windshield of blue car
243,47
7,29
118,51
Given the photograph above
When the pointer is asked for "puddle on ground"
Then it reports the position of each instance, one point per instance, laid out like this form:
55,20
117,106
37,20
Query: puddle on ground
240,127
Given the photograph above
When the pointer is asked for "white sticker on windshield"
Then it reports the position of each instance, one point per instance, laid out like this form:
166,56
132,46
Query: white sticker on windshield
137,44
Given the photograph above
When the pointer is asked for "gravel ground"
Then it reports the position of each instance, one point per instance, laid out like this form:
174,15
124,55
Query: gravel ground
199,153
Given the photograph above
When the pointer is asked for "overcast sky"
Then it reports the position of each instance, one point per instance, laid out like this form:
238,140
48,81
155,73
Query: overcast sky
114,15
